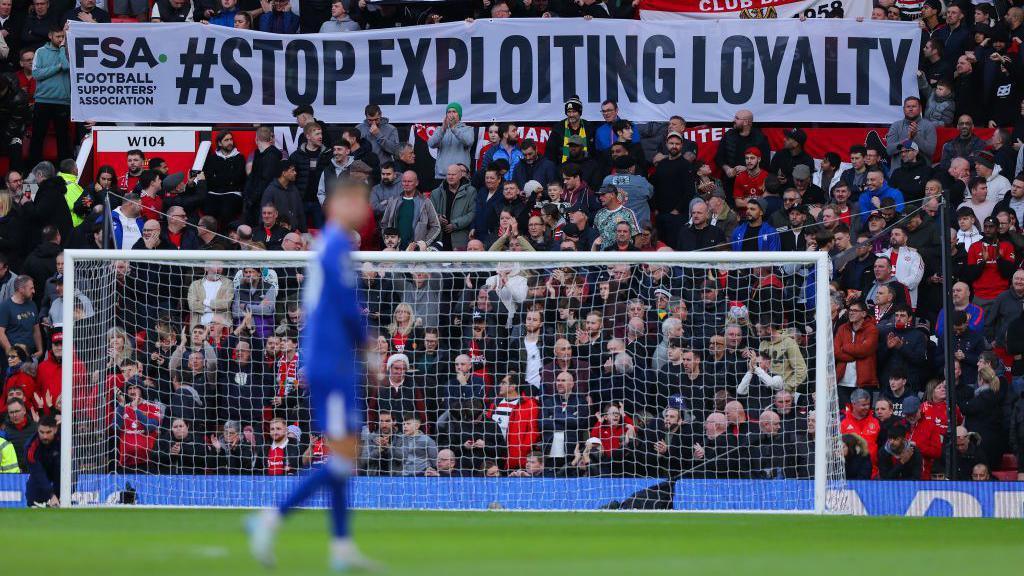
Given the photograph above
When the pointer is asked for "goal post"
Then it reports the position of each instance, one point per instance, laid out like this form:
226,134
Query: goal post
140,297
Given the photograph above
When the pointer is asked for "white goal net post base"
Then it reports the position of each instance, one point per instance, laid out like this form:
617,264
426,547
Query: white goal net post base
614,456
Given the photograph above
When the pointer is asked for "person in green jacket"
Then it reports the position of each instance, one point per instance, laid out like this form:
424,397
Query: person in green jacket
52,72
8,457
78,202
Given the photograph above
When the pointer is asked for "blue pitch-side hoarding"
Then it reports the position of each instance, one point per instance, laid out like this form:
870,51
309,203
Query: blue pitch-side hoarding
959,499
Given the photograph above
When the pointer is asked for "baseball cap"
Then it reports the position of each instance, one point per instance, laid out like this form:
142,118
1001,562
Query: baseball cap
797,134
607,189
753,151
57,338
577,140
674,134
908,145
911,405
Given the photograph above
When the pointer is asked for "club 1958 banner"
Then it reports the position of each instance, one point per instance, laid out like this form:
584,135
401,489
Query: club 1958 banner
754,9
782,70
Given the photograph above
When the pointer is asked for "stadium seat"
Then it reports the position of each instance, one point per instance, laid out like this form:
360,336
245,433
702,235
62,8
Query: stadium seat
1009,462
1005,476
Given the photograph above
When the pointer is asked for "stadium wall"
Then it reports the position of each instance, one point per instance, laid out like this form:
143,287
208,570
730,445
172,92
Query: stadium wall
947,499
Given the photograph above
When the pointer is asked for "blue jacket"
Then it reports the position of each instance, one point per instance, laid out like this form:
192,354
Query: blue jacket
53,75
542,170
224,18
605,136
884,192
279,22
768,241
512,158
484,207
117,228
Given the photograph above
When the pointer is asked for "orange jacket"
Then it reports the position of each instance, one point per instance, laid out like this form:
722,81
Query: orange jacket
860,347
868,429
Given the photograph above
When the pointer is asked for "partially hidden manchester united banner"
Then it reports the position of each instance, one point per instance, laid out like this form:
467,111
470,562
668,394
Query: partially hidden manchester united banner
524,69
754,9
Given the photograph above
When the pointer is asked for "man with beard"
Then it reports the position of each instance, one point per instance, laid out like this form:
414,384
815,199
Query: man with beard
388,188
673,184
589,167
508,147
43,455
786,160
557,149
965,145
913,172
225,180
990,264
735,143
754,234
667,449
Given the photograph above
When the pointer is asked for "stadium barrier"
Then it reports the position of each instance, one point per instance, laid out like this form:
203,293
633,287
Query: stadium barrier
934,499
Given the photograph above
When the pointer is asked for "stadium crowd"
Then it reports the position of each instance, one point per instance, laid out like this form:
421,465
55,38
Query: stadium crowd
647,370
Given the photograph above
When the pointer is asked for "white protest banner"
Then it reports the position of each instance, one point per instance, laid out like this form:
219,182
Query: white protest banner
754,9
521,69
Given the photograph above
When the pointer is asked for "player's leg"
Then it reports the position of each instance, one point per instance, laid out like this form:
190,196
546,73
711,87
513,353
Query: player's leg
343,440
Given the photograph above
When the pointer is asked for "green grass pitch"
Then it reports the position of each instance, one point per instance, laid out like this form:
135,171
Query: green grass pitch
152,542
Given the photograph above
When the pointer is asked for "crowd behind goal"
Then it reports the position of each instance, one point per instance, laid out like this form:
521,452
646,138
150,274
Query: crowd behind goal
625,370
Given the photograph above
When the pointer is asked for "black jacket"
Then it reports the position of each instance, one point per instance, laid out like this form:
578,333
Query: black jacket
41,264
307,175
44,470
226,173
190,459
49,208
13,108
889,468
690,238
237,459
673,185
911,178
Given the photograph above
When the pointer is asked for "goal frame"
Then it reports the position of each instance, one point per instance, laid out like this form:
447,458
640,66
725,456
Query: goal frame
822,316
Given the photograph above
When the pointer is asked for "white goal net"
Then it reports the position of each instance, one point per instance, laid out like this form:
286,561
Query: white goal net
677,381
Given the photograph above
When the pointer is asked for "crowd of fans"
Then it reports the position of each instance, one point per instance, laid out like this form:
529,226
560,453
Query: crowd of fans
647,370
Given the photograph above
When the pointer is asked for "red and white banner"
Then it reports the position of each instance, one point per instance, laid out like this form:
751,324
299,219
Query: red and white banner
752,9
820,141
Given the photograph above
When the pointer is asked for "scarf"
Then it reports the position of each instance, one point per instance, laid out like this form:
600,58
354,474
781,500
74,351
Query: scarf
566,132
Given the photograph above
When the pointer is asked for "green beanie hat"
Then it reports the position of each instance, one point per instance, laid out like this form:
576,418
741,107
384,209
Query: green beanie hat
455,106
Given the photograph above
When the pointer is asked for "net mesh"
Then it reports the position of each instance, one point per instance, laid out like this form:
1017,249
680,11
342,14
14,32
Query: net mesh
551,385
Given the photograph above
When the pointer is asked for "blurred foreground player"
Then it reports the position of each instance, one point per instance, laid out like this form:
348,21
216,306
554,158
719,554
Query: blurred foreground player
333,337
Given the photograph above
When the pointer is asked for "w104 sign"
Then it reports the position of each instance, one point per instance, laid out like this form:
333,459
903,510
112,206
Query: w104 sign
754,9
